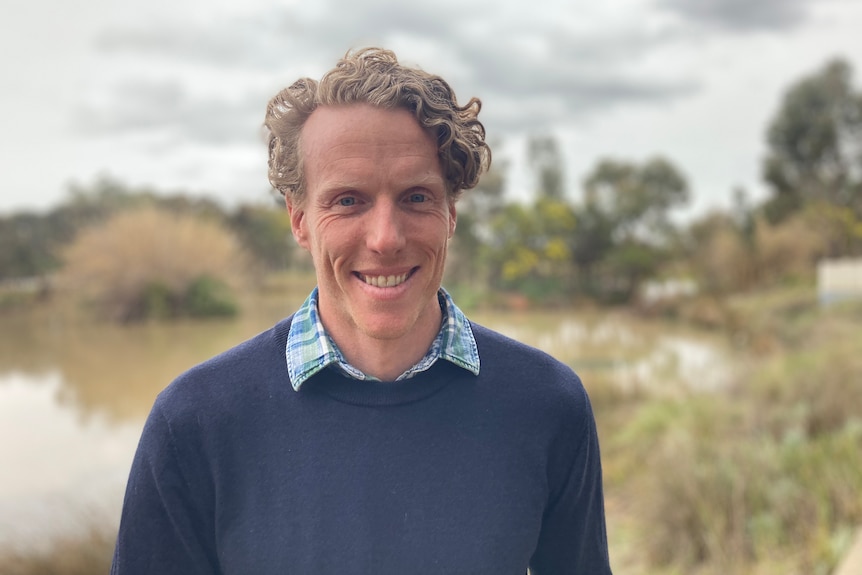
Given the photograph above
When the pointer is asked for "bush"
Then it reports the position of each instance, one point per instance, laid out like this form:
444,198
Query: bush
209,297
787,252
770,472
148,263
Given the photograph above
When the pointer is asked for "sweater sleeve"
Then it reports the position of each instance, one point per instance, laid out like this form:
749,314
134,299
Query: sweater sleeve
165,527
573,540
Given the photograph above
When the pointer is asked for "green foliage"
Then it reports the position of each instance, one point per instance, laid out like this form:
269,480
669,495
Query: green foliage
30,243
815,142
265,232
532,248
156,302
766,472
477,208
27,247
637,199
553,248
626,266
719,492
205,296
544,157
624,224
723,251
592,241
209,297
838,228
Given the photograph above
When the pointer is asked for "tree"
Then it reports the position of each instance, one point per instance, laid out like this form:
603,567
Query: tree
477,209
531,250
815,144
544,157
637,200
625,224
26,246
265,232
592,240
720,253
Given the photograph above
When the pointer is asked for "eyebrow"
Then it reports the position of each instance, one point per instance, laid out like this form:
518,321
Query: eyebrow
357,183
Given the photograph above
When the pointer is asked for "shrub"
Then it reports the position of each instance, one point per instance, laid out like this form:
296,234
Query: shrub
771,470
788,251
148,263
209,297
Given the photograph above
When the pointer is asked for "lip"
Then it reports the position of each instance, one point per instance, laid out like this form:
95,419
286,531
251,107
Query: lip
384,276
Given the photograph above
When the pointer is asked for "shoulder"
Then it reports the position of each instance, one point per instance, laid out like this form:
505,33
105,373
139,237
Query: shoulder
501,353
248,369
508,363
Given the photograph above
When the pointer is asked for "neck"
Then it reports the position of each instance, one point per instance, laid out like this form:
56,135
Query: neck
386,359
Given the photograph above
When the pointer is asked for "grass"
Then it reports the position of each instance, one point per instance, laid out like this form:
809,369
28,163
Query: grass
764,476
86,553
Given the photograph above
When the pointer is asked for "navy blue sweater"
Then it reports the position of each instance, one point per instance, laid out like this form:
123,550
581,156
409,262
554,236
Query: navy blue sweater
447,472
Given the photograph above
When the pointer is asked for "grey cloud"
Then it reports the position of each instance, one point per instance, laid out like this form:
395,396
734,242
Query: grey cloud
583,101
246,44
741,15
141,106
581,75
270,39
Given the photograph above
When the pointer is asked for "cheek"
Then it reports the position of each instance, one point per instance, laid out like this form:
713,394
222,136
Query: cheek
335,239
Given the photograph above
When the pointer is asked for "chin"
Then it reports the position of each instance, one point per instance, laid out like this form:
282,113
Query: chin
385,329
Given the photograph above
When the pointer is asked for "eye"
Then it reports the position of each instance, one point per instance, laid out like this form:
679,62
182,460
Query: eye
347,201
417,198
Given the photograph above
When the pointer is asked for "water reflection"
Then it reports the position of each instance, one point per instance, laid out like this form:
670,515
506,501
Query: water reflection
631,353
73,396
116,371
54,462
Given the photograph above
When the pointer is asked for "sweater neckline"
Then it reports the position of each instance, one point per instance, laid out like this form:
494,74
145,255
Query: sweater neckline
333,383
382,393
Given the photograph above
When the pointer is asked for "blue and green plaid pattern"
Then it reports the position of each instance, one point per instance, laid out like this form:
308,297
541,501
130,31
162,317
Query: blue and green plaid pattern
310,349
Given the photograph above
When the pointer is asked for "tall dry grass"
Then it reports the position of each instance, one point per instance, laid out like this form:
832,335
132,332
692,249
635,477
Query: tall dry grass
727,258
89,553
146,258
762,477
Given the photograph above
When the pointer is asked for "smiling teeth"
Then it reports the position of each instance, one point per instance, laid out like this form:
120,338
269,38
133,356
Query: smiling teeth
384,281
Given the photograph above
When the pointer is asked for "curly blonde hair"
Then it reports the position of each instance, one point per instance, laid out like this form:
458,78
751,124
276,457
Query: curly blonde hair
374,76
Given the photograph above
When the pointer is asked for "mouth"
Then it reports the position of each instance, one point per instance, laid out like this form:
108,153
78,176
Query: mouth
385,281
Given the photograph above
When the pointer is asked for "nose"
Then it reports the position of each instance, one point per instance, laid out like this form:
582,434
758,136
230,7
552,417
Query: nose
385,231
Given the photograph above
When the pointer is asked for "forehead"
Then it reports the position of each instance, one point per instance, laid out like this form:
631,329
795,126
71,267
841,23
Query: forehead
363,131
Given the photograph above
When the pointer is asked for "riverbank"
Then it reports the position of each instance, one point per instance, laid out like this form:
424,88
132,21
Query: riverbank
764,476
761,474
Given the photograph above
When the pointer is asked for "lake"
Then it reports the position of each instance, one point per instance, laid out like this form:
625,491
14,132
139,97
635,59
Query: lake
74,394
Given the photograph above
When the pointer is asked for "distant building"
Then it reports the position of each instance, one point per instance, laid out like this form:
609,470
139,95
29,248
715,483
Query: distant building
839,280
656,291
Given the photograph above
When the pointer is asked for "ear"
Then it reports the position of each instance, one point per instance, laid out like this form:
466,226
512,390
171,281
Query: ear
297,221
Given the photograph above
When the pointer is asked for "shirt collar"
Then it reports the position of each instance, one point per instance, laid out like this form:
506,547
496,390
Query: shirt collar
309,348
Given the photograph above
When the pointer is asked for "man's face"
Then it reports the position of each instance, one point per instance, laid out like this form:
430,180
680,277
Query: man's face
376,218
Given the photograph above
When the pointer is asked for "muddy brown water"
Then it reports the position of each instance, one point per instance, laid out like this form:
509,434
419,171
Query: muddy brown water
74,394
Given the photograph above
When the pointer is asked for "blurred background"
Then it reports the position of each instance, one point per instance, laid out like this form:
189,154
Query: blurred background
674,209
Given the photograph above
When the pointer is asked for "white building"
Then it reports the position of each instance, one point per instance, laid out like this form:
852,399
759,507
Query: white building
839,279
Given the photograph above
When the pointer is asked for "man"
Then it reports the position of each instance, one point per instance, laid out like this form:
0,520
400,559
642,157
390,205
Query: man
376,430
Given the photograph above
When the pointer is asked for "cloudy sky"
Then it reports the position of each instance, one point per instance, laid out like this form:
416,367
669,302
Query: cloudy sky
171,93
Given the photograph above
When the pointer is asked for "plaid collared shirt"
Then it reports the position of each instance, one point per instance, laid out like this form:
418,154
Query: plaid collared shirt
310,349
